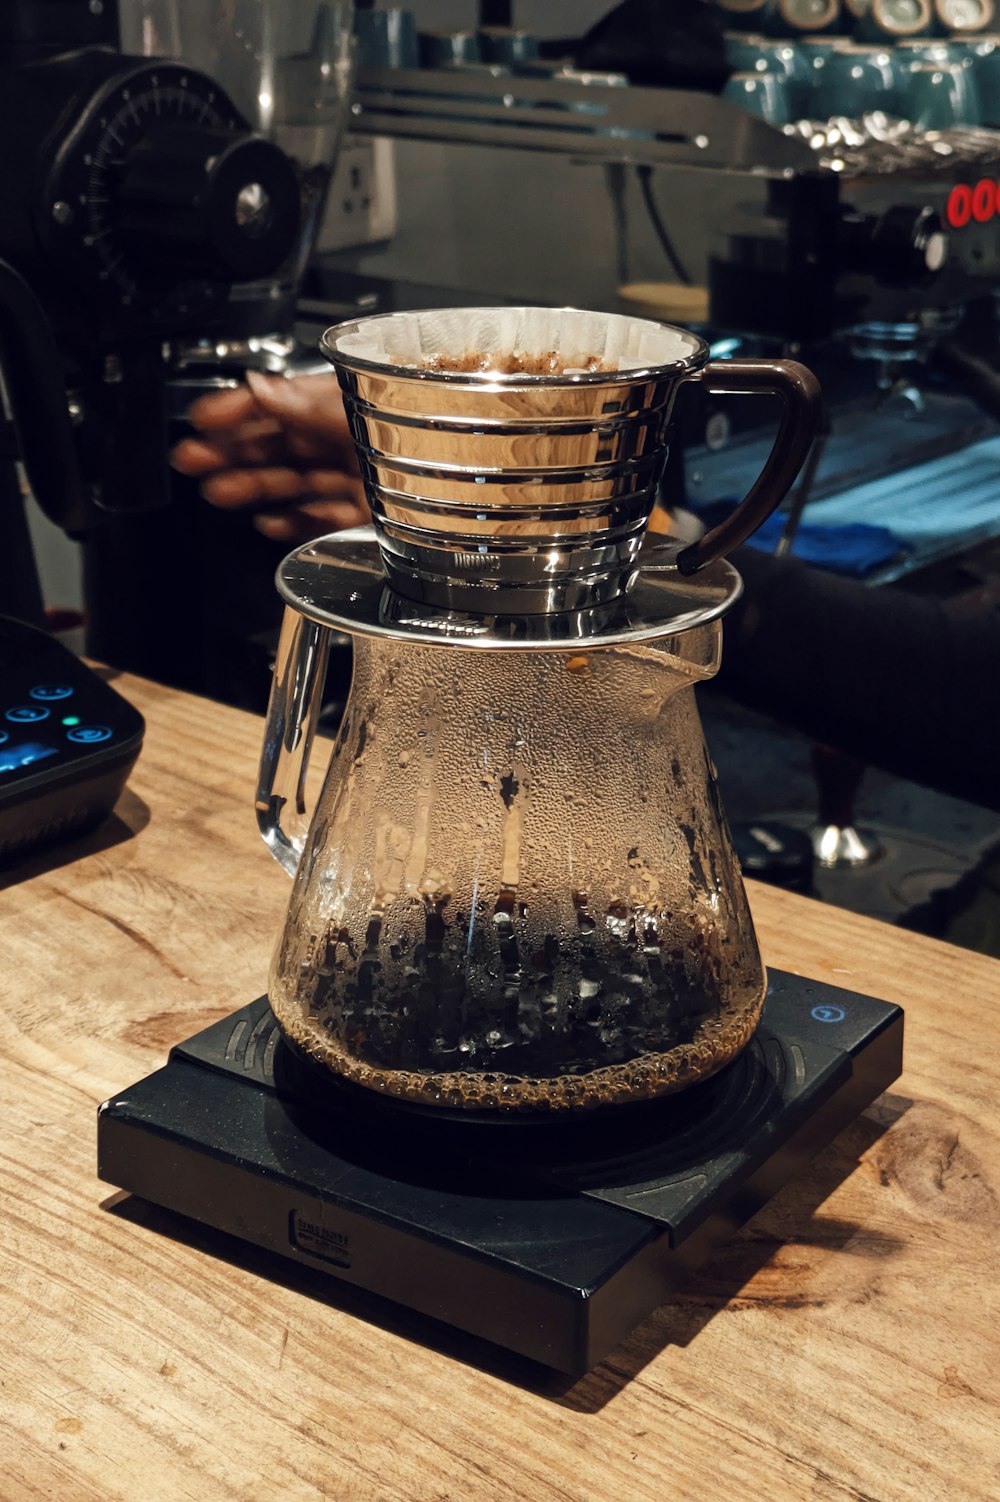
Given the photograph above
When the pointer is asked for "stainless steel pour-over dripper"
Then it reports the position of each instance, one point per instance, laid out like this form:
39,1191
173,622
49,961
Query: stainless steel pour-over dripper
511,456
517,891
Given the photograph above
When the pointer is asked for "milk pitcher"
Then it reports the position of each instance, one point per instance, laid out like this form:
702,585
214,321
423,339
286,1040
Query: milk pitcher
516,891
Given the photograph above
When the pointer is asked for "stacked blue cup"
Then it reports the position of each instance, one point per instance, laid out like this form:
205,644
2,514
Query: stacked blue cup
762,94
387,38
448,49
939,88
810,17
816,50
781,17
887,21
981,55
856,81
960,17
781,62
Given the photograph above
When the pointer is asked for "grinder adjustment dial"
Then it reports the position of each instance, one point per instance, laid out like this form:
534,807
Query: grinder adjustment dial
161,181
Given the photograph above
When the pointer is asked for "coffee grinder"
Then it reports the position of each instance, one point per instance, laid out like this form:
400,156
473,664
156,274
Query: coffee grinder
523,1070
171,169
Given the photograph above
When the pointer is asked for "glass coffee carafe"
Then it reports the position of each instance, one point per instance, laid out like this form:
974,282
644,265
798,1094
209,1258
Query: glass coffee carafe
516,891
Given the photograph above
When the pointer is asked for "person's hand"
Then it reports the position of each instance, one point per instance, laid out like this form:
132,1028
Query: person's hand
281,449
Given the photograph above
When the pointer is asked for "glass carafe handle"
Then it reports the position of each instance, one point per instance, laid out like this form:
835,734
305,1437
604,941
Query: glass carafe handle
802,406
296,696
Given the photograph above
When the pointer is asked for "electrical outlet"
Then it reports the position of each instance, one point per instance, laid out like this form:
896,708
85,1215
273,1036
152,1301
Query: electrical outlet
361,203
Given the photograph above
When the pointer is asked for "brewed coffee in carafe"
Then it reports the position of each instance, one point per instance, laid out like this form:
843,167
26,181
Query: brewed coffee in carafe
517,890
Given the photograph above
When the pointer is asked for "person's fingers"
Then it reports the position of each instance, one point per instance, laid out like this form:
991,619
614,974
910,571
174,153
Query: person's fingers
333,483
194,456
310,402
278,528
303,523
264,445
344,508
223,409
272,441
247,487
262,485
272,421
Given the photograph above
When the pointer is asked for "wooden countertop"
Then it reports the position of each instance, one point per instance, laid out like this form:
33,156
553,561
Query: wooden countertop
846,1346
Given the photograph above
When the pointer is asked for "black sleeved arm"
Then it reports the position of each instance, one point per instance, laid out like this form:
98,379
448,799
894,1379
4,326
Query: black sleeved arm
906,683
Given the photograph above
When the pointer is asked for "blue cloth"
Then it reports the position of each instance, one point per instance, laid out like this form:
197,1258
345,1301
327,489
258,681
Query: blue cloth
854,549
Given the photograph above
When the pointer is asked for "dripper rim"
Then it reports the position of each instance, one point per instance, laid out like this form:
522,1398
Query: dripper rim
484,378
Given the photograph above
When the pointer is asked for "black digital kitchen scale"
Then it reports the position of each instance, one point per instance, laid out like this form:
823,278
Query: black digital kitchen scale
552,1238
68,742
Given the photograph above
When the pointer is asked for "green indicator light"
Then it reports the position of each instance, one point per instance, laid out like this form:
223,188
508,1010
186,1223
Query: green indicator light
71,719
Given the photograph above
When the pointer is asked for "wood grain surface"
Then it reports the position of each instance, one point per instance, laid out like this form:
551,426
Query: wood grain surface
845,1346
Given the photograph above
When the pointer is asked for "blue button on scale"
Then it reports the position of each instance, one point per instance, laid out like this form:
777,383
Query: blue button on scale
89,735
27,714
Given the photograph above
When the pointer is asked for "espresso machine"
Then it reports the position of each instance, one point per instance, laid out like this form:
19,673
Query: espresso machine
520,1067
872,259
874,253
172,166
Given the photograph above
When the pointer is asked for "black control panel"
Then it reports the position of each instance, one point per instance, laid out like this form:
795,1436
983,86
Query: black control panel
67,742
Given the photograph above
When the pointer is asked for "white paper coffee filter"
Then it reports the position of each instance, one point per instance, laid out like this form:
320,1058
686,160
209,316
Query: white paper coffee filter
443,339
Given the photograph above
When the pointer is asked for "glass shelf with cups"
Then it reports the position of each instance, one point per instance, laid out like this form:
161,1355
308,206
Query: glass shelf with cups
826,105
597,117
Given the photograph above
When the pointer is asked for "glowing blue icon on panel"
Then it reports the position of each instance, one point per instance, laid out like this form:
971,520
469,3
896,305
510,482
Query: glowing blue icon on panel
88,735
828,1013
50,691
15,757
27,714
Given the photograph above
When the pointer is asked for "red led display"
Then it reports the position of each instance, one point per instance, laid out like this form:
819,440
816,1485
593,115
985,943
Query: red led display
959,210
981,203
984,201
